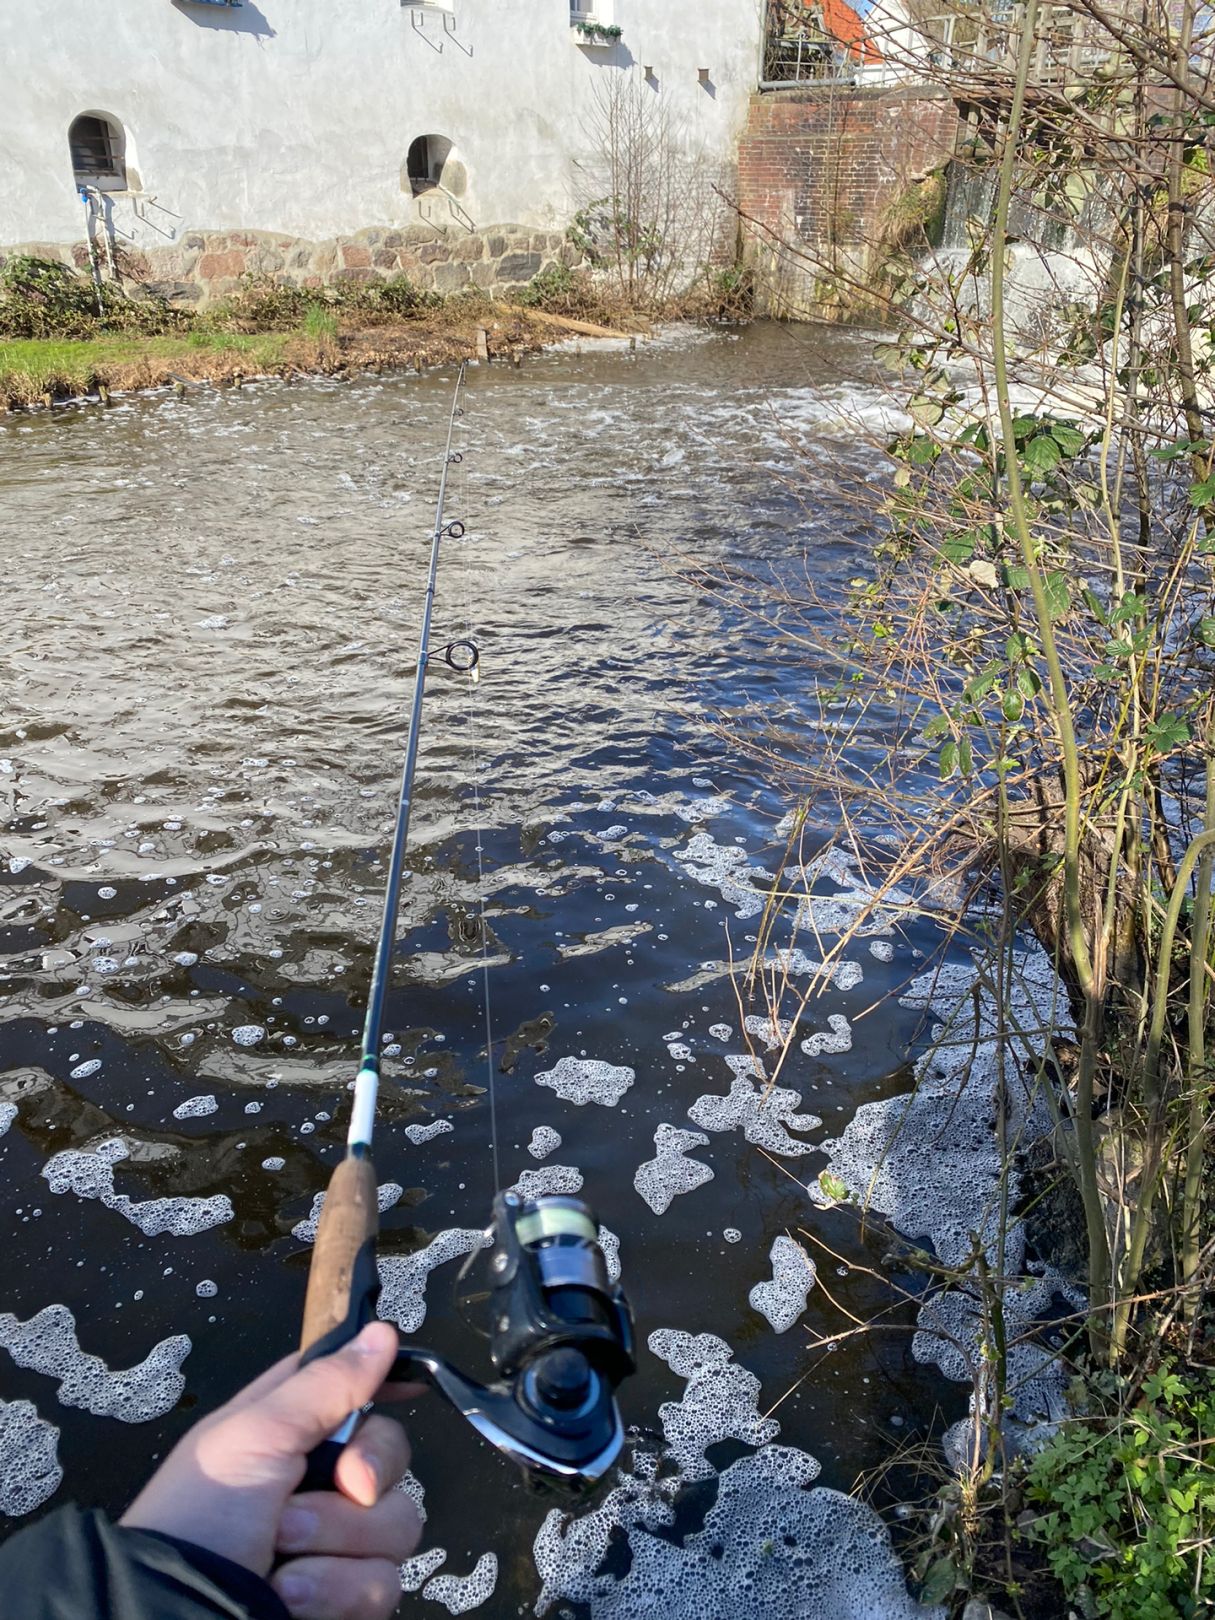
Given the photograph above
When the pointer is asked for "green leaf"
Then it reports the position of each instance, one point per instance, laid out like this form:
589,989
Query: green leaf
1167,732
1029,683
939,1582
1205,632
1203,492
832,1187
1013,706
947,759
1042,454
959,548
981,684
965,758
1069,439
925,411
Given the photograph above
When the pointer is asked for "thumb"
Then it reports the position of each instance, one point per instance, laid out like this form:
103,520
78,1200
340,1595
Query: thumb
309,1405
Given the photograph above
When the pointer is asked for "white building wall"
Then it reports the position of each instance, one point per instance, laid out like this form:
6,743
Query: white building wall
295,116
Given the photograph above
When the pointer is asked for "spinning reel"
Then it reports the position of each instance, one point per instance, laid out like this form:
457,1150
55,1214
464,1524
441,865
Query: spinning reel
561,1340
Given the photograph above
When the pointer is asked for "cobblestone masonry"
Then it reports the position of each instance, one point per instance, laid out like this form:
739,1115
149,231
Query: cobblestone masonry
208,265
819,165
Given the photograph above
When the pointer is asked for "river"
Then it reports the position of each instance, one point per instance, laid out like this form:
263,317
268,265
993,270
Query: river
211,611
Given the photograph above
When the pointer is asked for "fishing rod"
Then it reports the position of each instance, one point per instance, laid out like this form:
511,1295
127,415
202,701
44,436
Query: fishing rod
561,1334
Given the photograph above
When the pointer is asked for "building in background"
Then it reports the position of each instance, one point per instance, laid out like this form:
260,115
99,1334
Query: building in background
192,142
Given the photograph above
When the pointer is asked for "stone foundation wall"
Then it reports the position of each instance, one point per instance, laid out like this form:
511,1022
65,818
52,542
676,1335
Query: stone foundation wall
819,167
208,265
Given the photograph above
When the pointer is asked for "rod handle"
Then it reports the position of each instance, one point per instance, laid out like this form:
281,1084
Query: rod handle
343,1282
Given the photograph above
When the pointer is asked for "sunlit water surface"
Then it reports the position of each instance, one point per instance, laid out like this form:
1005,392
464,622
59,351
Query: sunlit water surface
210,618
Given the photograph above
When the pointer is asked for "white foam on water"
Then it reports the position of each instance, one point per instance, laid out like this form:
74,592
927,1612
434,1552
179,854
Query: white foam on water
931,1162
882,949
765,1116
274,1162
29,1459
8,1113
732,1234
386,1195
418,1134
416,1571
726,868
680,1052
82,1071
837,1038
248,1034
91,1175
701,809
587,1080
48,1344
196,1108
610,1244
783,1299
773,1032
561,1179
720,1032
460,1593
403,1277
662,1179
545,1140
794,961
770,1549
719,1403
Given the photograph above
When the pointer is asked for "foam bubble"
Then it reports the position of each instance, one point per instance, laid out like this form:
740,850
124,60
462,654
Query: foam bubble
762,1115
793,960
610,1244
107,892
584,1080
661,1180
882,949
769,1549
8,1113
836,1039
248,1034
403,1277
773,1032
274,1162
196,1108
206,1289
91,1175
560,1179
460,1593
47,1344
724,867
29,1458
783,1299
732,1234
386,1196
545,1140
418,1134
719,1403
416,1571
720,1032
82,1071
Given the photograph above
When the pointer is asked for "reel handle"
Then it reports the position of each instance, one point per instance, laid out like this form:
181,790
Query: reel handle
343,1284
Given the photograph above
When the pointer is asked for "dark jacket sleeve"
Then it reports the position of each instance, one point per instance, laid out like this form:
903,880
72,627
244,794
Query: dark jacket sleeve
76,1565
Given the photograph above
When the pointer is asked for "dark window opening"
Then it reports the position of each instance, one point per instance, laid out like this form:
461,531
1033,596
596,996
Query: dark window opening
98,150
425,160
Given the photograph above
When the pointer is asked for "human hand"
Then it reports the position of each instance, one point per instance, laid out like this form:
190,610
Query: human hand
230,1485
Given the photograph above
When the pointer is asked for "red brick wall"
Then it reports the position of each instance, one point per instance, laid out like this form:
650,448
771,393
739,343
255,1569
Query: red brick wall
818,166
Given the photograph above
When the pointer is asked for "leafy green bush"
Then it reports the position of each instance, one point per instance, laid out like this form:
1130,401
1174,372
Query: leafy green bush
1129,1504
551,289
320,324
41,298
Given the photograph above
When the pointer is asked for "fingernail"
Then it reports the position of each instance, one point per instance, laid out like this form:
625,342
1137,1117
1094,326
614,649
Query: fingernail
296,1590
297,1529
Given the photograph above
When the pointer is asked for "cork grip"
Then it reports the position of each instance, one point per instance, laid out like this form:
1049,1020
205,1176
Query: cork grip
342,1279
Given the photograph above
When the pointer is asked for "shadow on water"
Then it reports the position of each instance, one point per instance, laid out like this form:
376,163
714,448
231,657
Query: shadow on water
212,612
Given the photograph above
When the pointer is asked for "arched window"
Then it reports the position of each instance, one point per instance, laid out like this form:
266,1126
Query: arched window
432,160
99,152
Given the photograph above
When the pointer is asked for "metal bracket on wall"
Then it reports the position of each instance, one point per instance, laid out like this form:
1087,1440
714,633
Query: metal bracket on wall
417,19
449,28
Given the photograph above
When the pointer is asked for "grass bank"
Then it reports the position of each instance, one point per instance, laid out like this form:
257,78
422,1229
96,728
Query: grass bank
41,371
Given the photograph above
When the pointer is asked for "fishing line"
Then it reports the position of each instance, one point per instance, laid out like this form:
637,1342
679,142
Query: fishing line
473,693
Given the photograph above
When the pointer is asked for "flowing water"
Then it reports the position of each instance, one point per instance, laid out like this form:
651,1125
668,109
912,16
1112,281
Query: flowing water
211,608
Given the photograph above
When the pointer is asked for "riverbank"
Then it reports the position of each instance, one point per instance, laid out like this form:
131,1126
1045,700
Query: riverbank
38,372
